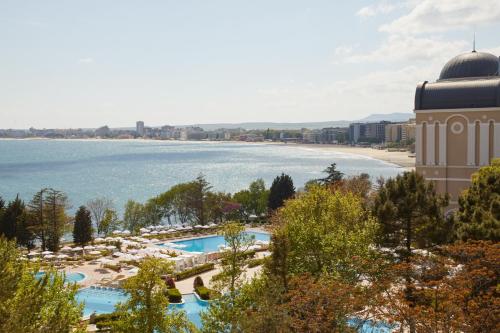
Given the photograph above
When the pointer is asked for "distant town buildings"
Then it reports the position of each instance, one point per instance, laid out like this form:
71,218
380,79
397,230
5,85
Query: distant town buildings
139,128
458,121
400,132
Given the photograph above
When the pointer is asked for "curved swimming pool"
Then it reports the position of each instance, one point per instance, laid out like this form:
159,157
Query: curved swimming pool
210,243
103,300
71,277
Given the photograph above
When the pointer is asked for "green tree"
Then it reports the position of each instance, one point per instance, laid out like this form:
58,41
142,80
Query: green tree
133,218
478,216
82,228
109,222
56,203
37,218
332,175
259,196
281,189
233,258
146,310
410,214
198,197
323,232
10,218
29,304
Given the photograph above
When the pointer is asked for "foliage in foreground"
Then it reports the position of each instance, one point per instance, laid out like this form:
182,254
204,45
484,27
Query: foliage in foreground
478,217
146,309
28,304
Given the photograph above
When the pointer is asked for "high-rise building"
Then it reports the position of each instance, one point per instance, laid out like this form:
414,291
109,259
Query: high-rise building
458,121
139,128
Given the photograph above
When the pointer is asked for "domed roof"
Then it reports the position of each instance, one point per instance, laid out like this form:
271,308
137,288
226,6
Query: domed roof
472,64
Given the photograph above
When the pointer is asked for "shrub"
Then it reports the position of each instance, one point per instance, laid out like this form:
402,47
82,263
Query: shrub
203,292
104,321
169,281
194,271
198,282
255,262
174,295
112,267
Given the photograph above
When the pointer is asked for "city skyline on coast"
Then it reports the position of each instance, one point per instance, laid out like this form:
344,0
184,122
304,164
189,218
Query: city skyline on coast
89,64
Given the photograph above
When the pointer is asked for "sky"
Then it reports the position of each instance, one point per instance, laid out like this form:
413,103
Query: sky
83,64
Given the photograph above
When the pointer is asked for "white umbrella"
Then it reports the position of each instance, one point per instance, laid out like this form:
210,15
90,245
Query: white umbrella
117,232
99,240
95,252
62,256
110,247
154,232
154,240
118,254
189,228
100,247
66,248
171,230
109,239
205,226
198,226
33,254
89,247
49,256
47,252
146,234
212,225
75,249
126,232
104,260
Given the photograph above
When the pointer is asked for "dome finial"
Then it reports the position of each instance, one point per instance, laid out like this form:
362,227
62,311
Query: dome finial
474,42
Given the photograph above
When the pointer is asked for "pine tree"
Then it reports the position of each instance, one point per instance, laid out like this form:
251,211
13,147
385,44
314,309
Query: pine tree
56,203
333,175
36,217
11,215
410,213
82,229
281,189
478,217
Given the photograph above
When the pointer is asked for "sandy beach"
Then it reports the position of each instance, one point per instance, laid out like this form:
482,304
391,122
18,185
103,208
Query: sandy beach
401,159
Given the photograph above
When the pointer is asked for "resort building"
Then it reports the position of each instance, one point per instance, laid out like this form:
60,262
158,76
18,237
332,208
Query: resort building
400,132
458,122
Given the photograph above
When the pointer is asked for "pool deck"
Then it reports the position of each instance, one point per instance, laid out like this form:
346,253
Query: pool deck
96,274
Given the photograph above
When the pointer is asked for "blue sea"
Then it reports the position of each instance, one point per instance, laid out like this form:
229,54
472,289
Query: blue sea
140,169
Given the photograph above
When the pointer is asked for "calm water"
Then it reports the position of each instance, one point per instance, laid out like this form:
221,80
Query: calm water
212,243
136,169
104,301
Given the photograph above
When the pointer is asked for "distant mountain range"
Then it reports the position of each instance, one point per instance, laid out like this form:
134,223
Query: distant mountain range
393,117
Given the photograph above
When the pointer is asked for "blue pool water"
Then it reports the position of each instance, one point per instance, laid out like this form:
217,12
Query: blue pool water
104,301
212,243
71,277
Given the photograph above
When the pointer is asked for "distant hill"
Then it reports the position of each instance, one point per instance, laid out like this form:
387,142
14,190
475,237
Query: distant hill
393,117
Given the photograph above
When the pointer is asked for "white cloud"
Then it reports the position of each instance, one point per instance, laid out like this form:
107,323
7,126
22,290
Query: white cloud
86,60
382,7
431,16
397,48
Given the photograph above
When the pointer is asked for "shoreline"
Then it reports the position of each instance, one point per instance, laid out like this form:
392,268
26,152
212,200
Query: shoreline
400,159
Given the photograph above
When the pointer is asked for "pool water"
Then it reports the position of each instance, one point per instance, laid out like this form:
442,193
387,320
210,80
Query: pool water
104,301
71,277
212,243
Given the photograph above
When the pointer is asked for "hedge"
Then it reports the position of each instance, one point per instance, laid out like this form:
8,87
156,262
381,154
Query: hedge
255,262
203,292
194,271
174,295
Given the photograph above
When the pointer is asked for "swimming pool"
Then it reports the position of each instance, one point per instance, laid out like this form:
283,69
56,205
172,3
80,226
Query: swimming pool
210,243
104,301
71,277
